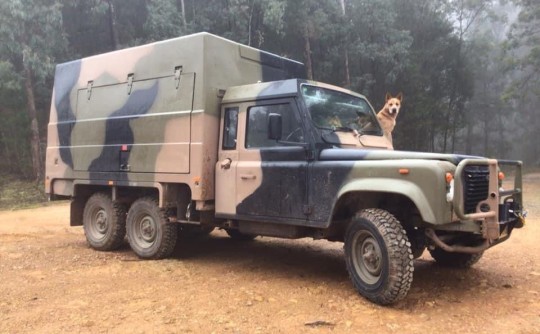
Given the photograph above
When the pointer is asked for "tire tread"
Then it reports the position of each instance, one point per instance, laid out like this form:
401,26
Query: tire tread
400,257
170,230
117,224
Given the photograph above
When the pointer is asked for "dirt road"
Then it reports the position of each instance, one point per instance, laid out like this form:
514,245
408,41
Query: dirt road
52,282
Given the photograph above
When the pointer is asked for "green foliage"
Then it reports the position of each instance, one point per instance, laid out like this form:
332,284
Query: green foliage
163,20
10,86
14,146
31,34
31,38
523,52
379,46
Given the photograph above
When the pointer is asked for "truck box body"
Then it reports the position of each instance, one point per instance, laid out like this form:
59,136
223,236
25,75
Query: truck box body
149,114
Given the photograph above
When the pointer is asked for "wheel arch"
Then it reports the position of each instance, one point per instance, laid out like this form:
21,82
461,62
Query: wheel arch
399,197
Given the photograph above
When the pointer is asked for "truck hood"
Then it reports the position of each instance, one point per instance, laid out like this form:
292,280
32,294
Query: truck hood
337,154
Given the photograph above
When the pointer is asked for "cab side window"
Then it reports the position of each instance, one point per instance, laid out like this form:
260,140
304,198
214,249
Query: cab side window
230,127
257,126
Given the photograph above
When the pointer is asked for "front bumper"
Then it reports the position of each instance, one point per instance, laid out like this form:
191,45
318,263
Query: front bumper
495,216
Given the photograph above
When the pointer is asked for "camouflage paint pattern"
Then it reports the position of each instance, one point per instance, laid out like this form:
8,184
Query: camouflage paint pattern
148,115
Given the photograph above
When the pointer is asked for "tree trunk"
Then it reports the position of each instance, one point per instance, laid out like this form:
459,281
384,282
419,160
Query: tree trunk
183,7
35,142
486,137
447,125
112,25
250,21
468,145
307,45
454,127
7,152
345,51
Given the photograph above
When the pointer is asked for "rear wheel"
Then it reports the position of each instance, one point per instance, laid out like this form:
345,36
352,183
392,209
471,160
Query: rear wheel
149,232
104,222
378,256
455,260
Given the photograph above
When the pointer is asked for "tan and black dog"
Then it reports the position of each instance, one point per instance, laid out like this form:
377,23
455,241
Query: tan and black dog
387,115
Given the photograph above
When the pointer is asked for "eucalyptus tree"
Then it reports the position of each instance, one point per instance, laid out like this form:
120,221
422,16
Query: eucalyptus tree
14,145
32,38
523,64
164,20
524,50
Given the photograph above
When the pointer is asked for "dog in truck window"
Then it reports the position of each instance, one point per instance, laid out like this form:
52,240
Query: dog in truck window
387,115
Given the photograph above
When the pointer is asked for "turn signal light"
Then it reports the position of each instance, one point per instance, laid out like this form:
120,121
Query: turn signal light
403,171
449,177
501,176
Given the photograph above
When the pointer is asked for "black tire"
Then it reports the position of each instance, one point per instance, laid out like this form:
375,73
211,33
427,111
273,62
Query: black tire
378,256
149,232
237,235
454,260
104,222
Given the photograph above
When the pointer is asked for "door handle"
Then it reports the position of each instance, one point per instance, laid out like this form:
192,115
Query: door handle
225,164
248,177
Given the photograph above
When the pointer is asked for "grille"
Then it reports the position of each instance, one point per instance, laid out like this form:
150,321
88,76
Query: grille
476,186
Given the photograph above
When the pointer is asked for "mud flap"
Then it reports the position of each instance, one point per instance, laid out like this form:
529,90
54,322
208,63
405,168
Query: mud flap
76,211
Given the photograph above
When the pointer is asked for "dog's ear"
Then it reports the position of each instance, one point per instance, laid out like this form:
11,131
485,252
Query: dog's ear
400,96
388,96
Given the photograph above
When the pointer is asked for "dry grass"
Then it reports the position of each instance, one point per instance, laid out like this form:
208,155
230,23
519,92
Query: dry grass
16,193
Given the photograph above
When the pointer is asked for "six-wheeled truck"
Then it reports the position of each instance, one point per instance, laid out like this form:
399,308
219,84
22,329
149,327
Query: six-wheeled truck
195,133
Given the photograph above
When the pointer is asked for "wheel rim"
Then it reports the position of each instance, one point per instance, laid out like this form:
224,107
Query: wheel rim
99,224
145,231
367,257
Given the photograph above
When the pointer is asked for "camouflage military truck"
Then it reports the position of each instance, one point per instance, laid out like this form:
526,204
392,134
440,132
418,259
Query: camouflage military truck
190,134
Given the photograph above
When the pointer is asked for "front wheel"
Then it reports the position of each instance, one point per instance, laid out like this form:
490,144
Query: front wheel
149,232
378,256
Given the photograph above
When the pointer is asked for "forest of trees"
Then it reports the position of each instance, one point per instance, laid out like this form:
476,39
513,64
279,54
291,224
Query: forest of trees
469,69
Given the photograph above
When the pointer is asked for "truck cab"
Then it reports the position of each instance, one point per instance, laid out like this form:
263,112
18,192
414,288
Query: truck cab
300,158
272,133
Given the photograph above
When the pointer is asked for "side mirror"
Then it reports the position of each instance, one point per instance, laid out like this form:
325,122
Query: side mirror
274,126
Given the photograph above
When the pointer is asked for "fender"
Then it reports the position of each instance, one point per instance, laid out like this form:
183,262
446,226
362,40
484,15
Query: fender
401,187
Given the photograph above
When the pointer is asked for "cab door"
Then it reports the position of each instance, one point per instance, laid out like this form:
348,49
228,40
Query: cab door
227,162
271,175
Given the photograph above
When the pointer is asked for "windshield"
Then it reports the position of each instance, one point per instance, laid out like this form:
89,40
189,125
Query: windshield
333,110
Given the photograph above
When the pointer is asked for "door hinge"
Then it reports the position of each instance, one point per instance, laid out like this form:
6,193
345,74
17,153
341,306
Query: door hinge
129,83
89,86
177,75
